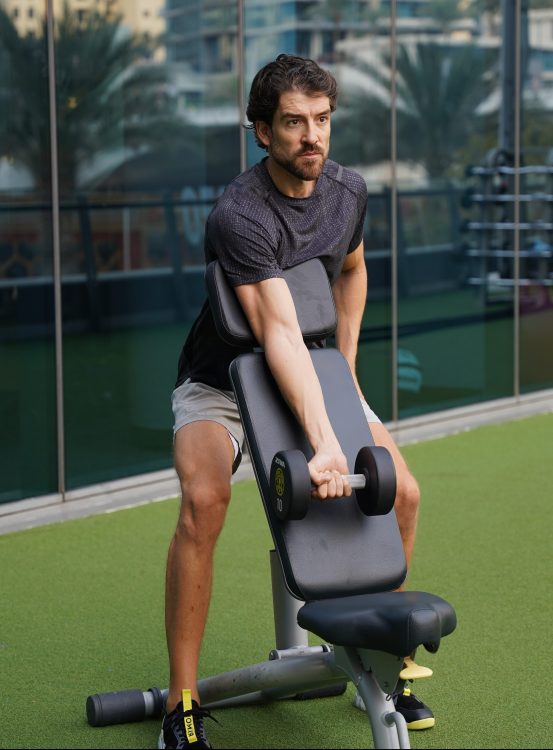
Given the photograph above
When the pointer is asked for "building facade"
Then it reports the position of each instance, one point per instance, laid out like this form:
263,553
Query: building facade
122,122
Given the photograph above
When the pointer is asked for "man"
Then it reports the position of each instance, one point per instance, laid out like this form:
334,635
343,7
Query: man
293,205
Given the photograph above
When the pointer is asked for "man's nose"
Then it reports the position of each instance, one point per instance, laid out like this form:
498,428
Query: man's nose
310,134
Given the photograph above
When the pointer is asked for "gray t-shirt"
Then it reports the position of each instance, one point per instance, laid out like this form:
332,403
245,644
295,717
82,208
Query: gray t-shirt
255,232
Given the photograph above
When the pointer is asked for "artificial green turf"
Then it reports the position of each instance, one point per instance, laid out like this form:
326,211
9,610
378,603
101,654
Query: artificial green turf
82,611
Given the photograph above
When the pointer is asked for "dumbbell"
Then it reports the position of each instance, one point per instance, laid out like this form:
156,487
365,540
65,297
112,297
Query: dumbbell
374,483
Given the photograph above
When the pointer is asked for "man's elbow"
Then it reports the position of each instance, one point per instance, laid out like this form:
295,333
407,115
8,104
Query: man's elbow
279,339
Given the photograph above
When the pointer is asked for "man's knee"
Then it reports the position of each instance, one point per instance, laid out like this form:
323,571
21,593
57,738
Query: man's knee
203,509
407,494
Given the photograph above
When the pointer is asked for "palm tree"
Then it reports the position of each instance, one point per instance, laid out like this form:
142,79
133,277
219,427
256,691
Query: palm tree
107,96
438,91
444,12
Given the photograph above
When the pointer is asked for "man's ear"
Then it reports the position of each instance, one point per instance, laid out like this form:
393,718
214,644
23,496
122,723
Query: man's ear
263,132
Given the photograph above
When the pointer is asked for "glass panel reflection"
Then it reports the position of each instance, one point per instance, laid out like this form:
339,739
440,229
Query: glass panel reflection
455,319
352,40
536,206
148,136
27,382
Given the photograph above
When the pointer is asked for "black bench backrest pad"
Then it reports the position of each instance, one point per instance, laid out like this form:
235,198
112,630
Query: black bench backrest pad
335,550
310,290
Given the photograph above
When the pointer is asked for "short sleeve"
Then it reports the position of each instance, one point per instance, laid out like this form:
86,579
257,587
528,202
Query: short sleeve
242,241
362,201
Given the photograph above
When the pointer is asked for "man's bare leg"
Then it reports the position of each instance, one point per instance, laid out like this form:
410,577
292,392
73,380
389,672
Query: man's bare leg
416,713
408,493
204,456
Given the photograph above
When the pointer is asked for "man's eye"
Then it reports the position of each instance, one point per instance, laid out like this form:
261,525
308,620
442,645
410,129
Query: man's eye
293,122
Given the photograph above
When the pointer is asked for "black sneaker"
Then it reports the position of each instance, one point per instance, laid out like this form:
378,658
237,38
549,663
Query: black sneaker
185,728
416,714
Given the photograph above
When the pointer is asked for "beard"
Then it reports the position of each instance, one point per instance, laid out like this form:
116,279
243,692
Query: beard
306,170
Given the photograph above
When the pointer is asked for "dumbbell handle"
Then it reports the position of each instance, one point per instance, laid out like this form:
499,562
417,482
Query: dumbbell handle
355,481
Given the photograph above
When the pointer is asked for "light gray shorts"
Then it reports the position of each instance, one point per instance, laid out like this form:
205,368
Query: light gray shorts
195,402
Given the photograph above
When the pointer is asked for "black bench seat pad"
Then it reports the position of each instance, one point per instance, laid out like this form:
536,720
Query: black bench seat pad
395,621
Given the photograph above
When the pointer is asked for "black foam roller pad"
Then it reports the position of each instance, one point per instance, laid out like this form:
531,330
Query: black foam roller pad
115,708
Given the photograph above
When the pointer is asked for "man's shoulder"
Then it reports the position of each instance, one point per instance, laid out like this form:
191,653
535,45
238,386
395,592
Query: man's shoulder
345,176
247,188
245,197
242,206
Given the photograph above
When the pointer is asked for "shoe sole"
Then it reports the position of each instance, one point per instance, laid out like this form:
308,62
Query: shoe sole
421,724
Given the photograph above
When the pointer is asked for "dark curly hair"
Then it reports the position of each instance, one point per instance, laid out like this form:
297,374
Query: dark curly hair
286,73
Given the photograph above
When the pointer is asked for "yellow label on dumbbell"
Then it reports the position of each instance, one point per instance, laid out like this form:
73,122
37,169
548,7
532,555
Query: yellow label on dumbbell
279,482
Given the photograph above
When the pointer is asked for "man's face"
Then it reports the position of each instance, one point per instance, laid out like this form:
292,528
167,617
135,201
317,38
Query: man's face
299,137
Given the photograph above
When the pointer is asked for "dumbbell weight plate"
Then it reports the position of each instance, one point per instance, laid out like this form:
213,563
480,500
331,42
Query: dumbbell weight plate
377,497
290,485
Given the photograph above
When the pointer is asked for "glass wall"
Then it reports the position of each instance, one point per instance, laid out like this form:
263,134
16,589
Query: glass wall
455,322
148,137
352,40
362,141
28,450
536,201
435,110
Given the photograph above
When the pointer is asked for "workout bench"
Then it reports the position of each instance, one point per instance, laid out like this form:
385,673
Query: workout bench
335,571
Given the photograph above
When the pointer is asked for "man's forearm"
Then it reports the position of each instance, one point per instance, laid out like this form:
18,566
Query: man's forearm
350,293
292,368
270,310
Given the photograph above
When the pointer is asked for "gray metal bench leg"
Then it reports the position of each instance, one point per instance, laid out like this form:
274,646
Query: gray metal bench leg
271,680
375,675
288,634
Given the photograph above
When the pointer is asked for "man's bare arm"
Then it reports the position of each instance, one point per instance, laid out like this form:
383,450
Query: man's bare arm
350,295
271,312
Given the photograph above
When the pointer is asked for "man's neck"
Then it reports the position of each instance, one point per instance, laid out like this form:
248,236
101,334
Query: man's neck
288,184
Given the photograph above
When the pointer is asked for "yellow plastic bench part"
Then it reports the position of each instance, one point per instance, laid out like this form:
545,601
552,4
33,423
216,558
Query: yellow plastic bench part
413,671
